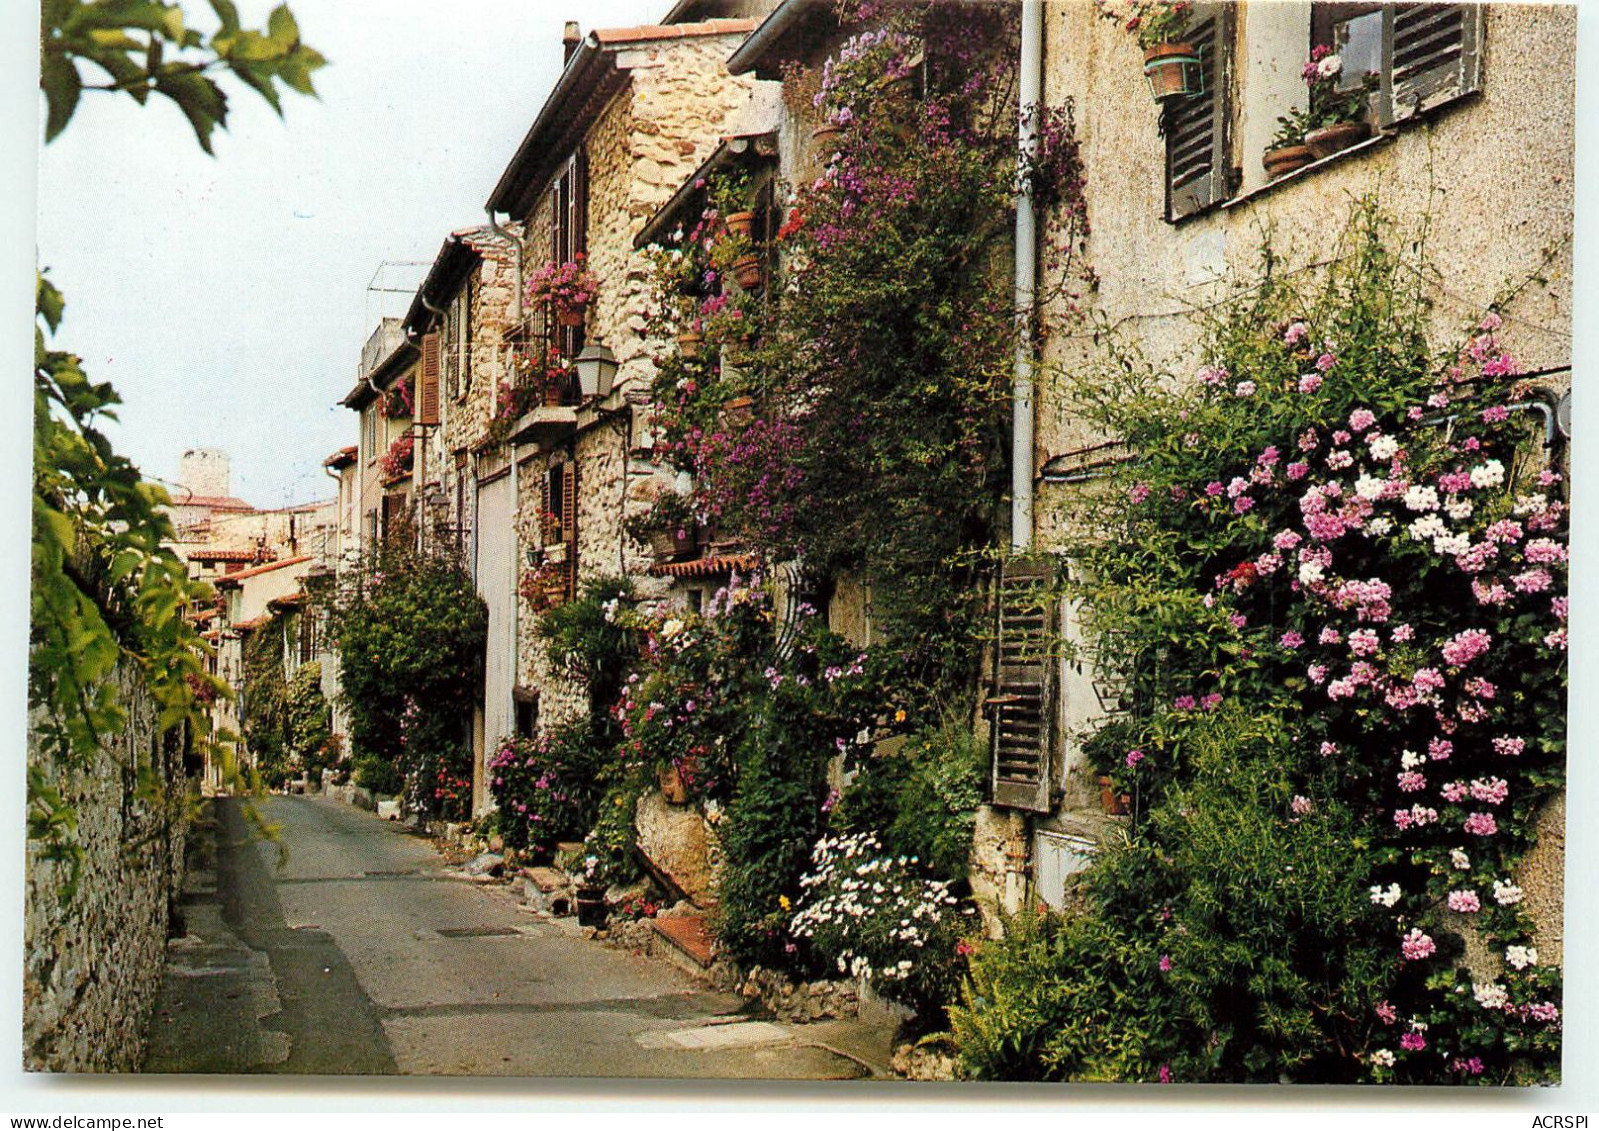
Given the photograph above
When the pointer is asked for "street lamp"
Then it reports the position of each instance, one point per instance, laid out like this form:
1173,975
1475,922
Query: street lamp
596,370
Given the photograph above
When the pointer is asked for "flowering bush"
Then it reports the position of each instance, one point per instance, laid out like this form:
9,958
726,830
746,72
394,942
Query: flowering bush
547,788
1151,22
397,404
872,917
410,628
397,460
1336,595
568,286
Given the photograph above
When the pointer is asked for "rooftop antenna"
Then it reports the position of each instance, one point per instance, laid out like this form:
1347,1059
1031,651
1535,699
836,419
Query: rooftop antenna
388,273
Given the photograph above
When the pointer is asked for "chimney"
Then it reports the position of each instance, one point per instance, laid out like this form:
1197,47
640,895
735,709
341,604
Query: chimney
570,38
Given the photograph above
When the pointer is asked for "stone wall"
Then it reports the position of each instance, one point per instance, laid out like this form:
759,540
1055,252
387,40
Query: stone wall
92,962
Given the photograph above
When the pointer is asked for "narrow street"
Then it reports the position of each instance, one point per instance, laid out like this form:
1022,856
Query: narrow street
363,953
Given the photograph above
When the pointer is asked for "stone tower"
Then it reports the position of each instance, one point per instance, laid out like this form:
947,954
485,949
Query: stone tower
204,471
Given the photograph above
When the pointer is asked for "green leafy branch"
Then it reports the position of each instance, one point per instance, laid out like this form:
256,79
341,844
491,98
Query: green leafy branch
146,47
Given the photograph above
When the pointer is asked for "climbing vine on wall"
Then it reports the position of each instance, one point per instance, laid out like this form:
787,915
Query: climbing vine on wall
878,359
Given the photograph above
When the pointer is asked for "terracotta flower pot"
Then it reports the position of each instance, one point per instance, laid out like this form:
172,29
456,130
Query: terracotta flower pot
1327,140
740,223
1284,159
688,345
570,315
747,270
554,392
1172,70
736,411
824,142
1115,804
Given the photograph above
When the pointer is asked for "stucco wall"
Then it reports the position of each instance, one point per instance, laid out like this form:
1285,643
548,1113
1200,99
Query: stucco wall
92,964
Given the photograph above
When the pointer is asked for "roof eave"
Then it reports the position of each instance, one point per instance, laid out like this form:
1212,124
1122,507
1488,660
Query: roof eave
518,186
364,393
784,30
451,266
740,147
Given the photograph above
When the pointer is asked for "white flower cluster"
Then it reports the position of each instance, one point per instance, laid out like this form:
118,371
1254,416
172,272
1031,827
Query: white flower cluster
1387,897
867,910
1490,995
1506,893
1521,957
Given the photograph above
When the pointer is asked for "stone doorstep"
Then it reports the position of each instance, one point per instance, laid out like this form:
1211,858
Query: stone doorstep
688,935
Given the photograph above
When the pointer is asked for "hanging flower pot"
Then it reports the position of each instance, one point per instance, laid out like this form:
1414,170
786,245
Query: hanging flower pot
1284,159
740,224
689,343
747,270
1172,70
1115,804
1327,140
570,315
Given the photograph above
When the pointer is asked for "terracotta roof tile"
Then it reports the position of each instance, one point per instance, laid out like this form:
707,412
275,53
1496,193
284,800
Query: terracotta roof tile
707,567
215,502
235,578
675,31
215,554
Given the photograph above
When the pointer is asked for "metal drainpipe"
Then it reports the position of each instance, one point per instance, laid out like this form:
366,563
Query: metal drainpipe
521,307
338,518
1030,95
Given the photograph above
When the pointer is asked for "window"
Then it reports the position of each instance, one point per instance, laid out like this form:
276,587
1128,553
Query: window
1198,169
1024,705
568,237
560,516
457,360
1424,55
527,711
370,419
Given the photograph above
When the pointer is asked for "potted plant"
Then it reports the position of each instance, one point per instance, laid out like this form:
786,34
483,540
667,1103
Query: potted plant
1337,118
567,286
690,339
591,911
668,526
747,270
1288,150
1171,63
397,460
729,192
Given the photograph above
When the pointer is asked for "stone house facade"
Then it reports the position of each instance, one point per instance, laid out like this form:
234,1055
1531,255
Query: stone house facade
1177,214
634,111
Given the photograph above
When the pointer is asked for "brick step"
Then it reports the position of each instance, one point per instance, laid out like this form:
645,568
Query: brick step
687,935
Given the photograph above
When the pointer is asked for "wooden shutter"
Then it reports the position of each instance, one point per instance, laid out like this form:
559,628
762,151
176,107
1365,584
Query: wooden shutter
1025,681
1432,55
569,523
427,384
1198,173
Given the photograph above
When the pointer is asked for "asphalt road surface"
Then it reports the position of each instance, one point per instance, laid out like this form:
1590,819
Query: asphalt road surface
363,953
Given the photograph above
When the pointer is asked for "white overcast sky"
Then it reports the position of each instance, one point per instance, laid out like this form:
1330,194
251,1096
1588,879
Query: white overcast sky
227,298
